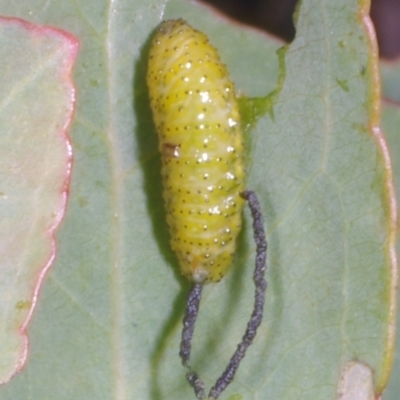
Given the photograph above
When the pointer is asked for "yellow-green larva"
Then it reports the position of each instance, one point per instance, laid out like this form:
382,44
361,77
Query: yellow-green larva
197,119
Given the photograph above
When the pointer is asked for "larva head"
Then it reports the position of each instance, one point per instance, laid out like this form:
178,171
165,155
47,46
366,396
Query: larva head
197,119
183,68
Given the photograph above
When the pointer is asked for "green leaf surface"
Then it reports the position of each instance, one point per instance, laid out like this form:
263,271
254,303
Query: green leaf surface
390,72
36,105
108,322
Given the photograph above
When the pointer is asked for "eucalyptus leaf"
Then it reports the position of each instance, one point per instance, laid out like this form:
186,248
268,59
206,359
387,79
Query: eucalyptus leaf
36,106
108,321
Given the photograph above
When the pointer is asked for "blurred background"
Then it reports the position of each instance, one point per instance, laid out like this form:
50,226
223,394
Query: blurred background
275,16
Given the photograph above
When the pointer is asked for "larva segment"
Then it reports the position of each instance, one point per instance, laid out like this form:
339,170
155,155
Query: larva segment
196,115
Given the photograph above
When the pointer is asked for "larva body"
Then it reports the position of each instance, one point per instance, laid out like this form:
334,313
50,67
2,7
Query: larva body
196,115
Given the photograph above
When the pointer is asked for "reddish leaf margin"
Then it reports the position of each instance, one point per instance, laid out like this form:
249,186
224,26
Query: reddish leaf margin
71,45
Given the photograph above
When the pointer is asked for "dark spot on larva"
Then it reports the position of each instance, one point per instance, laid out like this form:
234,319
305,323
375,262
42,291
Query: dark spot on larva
170,150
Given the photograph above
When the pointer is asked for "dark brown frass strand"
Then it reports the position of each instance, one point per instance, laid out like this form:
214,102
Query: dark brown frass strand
193,303
197,384
259,298
189,321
